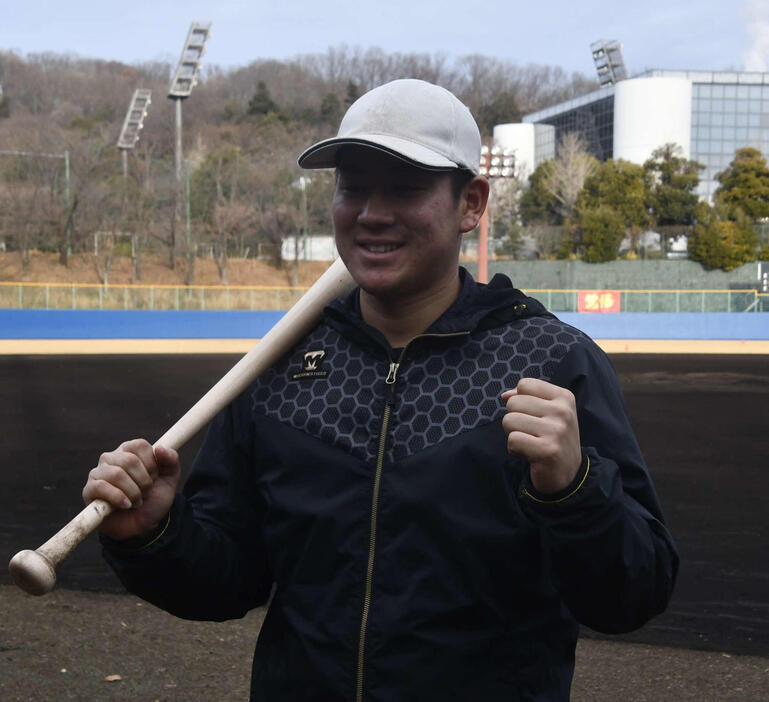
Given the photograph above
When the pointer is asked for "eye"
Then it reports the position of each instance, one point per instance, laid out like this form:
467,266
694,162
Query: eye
409,188
350,187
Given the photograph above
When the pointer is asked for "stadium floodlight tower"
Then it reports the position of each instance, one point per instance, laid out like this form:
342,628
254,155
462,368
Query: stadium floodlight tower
185,78
495,162
133,123
609,63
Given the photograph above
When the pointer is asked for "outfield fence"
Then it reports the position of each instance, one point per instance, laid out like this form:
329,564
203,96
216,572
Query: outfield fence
747,300
58,296
53,296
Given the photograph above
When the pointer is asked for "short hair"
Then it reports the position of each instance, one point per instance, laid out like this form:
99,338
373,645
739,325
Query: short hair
460,177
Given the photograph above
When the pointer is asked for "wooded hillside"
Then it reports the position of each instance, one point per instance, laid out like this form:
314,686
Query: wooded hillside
243,129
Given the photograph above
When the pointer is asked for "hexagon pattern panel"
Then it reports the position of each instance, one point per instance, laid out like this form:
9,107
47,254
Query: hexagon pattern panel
335,392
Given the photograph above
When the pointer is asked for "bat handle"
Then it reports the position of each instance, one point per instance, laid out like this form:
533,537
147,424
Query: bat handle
35,571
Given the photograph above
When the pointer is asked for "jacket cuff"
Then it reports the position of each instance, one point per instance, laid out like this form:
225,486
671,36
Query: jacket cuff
531,494
140,544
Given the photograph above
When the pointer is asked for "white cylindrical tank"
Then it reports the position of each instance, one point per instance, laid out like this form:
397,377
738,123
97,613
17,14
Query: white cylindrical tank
518,138
649,113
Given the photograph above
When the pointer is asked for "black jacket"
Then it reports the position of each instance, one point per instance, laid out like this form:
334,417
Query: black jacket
411,557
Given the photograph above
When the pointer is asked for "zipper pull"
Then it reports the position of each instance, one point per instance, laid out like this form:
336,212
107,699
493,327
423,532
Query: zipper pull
392,374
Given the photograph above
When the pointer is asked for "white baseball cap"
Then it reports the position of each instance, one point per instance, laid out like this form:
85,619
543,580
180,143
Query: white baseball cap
416,121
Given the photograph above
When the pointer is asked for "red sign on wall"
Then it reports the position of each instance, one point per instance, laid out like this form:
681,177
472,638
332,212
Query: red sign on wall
598,301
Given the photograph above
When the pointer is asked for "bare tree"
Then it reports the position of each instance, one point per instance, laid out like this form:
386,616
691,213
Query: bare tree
230,220
504,213
571,167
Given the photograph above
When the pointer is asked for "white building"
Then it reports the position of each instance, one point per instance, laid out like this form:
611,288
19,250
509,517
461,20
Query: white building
710,114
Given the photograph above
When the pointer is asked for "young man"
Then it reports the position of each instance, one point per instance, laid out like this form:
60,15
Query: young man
439,503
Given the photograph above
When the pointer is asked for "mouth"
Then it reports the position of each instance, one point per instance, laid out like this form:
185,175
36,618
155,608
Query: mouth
380,248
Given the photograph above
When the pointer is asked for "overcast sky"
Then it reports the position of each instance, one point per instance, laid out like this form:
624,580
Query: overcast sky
693,34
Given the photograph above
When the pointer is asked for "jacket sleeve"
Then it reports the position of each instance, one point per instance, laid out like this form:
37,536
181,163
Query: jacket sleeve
208,561
612,558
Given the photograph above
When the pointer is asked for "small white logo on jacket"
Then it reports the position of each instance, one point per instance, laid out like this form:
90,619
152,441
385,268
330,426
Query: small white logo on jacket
310,365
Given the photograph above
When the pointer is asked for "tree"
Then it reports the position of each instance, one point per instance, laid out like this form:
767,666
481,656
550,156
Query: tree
229,220
745,185
538,204
566,177
352,93
330,109
261,103
502,108
504,205
603,229
671,191
619,186
277,212
216,203
671,182
719,242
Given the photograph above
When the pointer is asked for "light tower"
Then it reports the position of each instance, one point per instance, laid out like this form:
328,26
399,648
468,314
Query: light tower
185,78
609,63
495,163
133,123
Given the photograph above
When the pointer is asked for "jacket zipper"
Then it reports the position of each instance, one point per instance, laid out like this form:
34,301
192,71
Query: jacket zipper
392,375
390,380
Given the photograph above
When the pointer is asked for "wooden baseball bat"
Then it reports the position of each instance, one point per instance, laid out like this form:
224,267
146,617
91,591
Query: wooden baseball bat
35,571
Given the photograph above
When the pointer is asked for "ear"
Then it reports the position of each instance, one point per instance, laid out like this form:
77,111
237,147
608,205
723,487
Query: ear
472,203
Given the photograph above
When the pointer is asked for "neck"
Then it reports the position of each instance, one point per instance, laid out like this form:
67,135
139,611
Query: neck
400,320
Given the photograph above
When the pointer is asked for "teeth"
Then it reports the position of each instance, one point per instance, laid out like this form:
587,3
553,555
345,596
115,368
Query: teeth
380,248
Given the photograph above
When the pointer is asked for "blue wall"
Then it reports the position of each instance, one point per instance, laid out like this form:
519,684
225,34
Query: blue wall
663,325
133,324
117,324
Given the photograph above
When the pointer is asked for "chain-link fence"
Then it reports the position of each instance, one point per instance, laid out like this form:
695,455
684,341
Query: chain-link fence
214,297
146,297
663,300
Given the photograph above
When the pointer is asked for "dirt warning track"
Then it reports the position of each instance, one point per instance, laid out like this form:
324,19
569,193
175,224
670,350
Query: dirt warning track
700,419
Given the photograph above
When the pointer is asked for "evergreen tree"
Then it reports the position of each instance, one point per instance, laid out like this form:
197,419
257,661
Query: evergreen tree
603,229
330,109
671,185
352,93
261,103
538,205
718,242
620,185
745,185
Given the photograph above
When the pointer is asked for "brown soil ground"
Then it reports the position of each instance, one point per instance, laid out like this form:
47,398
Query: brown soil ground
74,645
699,419
45,268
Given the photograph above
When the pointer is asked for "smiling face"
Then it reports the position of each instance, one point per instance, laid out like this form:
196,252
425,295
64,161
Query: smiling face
398,228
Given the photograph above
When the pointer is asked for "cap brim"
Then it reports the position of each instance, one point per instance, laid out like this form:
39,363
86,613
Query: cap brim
324,154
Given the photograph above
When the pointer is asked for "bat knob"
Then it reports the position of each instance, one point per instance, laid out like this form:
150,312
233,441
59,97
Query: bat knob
32,572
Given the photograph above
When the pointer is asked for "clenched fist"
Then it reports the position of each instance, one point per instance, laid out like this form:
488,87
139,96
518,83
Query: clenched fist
541,425
140,482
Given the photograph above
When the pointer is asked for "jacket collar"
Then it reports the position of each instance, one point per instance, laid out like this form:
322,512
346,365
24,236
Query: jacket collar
479,306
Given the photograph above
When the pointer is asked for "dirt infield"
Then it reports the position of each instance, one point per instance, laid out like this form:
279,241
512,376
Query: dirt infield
700,421
71,645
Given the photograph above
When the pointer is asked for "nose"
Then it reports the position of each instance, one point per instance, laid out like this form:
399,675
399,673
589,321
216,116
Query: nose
376,211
